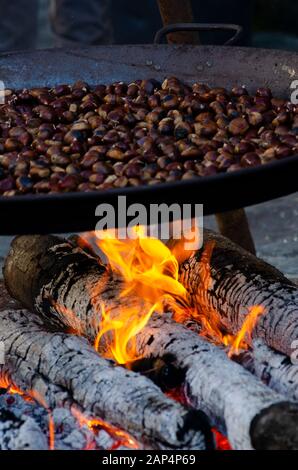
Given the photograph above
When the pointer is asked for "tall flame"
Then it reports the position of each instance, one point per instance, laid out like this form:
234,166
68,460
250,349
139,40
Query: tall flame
239,342
150,273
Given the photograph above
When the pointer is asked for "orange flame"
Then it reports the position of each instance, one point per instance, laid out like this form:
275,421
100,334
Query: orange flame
31,396
41,400
150,272
121,437
247,327
209,318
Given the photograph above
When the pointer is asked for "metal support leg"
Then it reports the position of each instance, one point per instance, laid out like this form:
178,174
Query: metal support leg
177,11
234,225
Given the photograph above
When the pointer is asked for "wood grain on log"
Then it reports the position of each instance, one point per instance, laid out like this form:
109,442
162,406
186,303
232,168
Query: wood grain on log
240,280
36,359
274,369
223,391
40,268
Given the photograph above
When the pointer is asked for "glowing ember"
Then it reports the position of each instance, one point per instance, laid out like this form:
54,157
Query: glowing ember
31,396
6,384
221,442
124,328
122,438
41,400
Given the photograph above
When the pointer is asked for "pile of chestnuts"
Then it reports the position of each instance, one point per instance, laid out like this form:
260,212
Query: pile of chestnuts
83,138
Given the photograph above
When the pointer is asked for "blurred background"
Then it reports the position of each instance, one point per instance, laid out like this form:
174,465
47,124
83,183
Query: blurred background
267,23
27,23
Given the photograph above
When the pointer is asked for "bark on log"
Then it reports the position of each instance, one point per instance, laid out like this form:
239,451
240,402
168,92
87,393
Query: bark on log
36,359
67,431
240,280
213,384
40,268
274,369
20,433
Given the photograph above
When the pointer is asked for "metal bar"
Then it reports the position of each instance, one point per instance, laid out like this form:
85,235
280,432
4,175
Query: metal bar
179,27
177,11
234,225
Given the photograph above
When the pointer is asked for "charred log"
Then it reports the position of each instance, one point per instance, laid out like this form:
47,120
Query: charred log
239,280
222,390
43,268
36,359
66,429
274,369
161,370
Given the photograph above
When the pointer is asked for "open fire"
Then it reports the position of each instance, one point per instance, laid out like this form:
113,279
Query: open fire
150,271
147,321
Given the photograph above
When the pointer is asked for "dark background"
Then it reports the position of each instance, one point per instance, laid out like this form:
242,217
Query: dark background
272,23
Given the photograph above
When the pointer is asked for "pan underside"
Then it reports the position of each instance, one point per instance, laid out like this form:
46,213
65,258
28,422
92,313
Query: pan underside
214,65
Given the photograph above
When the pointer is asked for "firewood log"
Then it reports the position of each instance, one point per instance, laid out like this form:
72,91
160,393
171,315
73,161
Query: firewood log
36,359
274,369
44,272
239,280
20,433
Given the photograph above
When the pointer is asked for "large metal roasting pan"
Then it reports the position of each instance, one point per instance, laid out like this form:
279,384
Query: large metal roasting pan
214,65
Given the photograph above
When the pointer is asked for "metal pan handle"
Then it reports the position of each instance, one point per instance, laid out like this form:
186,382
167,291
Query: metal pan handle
173,28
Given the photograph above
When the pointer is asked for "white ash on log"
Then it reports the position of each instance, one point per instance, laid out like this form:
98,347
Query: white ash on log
274,369
254,416
69,432
240,280
43,269
20,432
35,359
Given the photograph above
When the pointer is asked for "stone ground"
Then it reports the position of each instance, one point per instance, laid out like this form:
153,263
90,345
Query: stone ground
274,224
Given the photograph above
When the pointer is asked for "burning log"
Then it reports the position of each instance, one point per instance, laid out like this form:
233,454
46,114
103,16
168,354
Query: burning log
67,287
36,359
161,370
214,385
234,279
20,433
274,369
65,429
